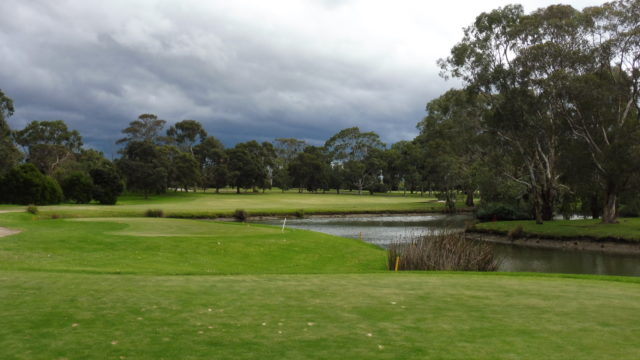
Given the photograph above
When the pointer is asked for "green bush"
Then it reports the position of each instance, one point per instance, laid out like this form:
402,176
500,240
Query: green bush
501,211
378,188
32,209
77,187
241,214
154,213
107,186
25,184
299,213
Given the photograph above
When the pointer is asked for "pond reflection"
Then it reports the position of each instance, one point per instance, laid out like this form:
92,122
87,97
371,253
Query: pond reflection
382,230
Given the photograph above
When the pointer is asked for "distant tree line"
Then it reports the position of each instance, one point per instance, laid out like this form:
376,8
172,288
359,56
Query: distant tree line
547,123
45,163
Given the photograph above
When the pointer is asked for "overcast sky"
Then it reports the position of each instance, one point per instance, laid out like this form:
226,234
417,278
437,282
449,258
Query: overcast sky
247,70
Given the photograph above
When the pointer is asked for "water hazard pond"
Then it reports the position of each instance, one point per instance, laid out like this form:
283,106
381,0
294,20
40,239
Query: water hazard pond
383,230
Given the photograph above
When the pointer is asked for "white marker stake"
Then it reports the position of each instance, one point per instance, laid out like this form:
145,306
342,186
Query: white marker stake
284,223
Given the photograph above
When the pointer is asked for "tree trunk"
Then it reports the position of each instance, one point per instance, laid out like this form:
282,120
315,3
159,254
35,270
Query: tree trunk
469,201
610,209
238,189
537,206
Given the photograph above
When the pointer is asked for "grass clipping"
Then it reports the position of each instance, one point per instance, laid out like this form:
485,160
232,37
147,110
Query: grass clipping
449,250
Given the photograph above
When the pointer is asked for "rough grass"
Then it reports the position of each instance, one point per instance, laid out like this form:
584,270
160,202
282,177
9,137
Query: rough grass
627,229
372,316
193,205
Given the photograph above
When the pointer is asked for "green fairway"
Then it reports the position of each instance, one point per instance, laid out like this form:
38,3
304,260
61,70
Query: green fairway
271,203
627,228
153,288
174,246
372,316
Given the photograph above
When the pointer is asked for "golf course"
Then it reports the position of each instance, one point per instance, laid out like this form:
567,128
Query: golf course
105,282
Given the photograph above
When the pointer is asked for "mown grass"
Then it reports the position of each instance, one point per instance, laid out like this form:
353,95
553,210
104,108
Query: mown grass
627,229
158,288
175,246
369,316
211,205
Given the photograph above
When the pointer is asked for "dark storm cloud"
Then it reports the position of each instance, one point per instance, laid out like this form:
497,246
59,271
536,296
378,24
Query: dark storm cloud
245,70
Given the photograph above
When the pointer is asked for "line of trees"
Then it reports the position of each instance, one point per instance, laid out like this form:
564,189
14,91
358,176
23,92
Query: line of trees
550,108
548,122
45,163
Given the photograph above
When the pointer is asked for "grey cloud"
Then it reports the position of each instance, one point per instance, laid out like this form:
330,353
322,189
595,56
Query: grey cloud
99,65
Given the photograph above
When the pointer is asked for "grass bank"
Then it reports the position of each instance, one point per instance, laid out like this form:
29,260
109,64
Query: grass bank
211,205
627,230
174,246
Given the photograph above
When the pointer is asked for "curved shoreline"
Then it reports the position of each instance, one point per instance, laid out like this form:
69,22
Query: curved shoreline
577,243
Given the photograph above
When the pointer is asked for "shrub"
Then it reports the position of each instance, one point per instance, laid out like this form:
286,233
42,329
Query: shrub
107,186
77,187
154,213
241,215
378,188
299,213
501,211
445,251
32,209
25,184
516,232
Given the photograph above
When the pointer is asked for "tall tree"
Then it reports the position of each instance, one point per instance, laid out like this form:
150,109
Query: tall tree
352,144
519,63
213,162
10,154
144,167
310,169
451,134
146,128
49,144
186,134
348,150
603,106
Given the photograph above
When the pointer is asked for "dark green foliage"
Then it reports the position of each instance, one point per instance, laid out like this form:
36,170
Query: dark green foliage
107,185
299,213
49,144
145,129
77,187
10,155
310,169
144,168
630,206
32,209
25,185
241,214
501,211
158,213
378,188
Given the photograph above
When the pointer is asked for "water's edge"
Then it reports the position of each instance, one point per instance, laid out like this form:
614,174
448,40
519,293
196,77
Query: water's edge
570,244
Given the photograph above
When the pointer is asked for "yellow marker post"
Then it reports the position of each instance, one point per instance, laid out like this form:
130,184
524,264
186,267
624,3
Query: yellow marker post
360,235
397,262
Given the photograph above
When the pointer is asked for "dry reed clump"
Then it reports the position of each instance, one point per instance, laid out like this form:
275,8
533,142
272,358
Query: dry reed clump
448,250
154,213
241,215
516,233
